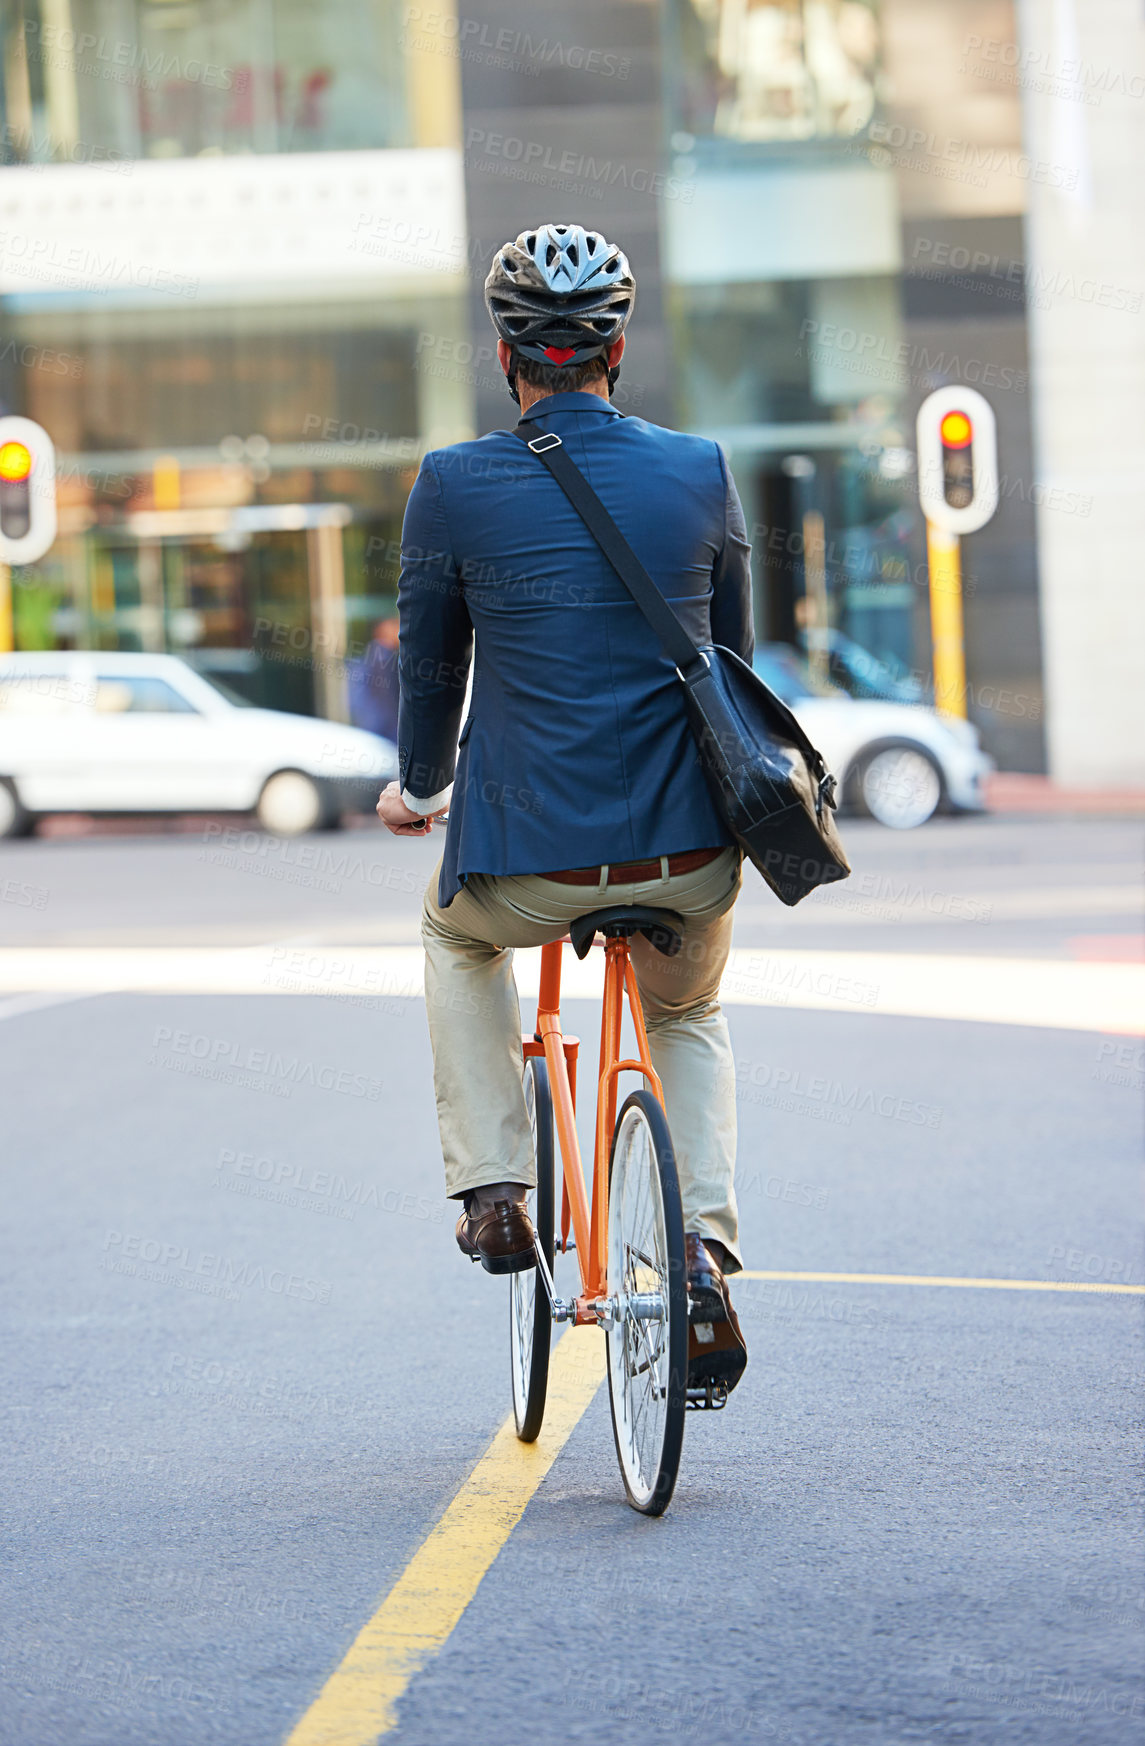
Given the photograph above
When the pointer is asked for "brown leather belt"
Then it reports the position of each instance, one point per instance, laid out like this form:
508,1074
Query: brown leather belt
635,872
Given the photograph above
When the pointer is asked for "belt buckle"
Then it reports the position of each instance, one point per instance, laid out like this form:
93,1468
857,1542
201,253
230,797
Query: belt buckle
548,439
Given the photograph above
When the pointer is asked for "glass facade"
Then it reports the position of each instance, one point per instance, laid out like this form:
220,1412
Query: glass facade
817,427
770,71
125,79
232,466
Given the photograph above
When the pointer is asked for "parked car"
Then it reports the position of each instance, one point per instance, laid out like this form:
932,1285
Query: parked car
92,732
899,763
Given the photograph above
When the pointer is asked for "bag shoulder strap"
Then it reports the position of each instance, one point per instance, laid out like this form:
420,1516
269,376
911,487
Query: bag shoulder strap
548,447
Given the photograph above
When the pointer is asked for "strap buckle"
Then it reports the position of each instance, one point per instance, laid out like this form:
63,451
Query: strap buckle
683,677
548,439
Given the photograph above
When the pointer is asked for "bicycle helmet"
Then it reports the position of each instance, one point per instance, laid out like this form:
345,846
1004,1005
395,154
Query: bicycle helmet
559,295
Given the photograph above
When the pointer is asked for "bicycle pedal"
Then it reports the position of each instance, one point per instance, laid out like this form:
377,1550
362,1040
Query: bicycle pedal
711,1397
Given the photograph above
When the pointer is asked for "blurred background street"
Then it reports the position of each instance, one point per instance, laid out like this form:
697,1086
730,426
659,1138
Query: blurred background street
891,254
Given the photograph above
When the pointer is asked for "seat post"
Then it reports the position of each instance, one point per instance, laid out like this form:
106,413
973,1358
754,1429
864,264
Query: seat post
549,996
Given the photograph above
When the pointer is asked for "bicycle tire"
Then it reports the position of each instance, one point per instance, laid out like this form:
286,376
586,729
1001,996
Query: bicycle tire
647,1273
530,1315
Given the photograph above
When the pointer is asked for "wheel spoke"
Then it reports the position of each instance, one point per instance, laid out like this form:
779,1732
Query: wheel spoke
647,1418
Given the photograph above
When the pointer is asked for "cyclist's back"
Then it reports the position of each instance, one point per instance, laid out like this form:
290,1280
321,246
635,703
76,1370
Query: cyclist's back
568,676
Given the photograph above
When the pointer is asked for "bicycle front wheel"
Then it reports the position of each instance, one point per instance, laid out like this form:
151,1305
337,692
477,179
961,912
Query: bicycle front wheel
530,1314
647,1324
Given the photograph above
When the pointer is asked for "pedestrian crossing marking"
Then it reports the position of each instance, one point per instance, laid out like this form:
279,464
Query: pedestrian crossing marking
358,1703
1055,994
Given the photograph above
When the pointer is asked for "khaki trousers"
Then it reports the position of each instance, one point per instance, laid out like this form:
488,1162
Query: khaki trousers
475,1026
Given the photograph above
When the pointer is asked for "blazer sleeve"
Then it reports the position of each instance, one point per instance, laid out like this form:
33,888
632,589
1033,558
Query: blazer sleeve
731,614
435,647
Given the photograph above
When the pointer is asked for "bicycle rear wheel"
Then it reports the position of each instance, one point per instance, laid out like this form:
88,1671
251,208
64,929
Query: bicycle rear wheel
530,1314
647,1327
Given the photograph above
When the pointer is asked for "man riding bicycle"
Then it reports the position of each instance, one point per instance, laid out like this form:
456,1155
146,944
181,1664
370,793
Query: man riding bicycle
573,781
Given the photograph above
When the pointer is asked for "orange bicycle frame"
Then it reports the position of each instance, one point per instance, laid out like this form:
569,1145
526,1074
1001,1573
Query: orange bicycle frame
589,1223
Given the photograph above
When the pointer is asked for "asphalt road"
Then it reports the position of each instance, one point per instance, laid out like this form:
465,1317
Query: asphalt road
919,1517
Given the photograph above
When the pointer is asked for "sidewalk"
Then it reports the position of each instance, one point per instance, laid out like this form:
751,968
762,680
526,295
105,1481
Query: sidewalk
1011,793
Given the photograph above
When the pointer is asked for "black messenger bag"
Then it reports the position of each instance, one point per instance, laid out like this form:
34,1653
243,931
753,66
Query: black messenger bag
769,784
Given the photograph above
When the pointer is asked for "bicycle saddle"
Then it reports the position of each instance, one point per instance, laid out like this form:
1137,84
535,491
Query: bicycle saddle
663,928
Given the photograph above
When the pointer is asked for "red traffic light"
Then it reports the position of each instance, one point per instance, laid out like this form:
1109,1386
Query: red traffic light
15,462
956,430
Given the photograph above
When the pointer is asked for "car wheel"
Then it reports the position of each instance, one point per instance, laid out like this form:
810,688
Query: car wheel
15,820
290,804
899,786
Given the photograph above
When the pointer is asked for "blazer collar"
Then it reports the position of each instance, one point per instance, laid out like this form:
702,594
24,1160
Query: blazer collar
579,402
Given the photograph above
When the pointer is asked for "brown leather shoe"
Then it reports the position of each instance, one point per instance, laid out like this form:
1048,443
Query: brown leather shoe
717,1351
501,1238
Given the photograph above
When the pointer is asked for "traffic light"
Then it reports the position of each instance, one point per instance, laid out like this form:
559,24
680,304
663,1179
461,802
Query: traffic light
27,491
957,460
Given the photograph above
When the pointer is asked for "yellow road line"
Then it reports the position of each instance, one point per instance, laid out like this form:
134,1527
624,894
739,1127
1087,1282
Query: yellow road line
941,1279
359,1701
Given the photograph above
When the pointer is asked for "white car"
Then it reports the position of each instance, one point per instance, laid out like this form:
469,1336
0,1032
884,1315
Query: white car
897,762
93,732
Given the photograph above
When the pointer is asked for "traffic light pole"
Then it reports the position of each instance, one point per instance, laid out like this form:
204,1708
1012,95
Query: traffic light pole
958,493
944,562
7,636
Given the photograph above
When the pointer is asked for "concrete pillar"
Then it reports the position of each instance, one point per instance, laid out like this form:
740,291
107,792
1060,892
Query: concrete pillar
1083,81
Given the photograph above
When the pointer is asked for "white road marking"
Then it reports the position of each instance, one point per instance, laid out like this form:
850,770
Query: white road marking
1043,993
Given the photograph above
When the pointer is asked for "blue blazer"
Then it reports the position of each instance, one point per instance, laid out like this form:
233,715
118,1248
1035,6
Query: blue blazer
576,749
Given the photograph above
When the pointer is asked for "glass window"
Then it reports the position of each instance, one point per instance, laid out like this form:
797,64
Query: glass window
107,79
124,694
163,379
775,70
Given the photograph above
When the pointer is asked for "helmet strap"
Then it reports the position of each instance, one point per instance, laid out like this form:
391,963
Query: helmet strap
511,375
613,378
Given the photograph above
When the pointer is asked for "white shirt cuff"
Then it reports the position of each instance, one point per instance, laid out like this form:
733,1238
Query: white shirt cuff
435,803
